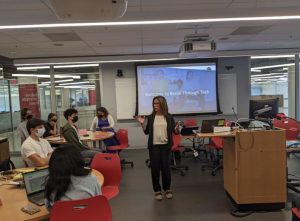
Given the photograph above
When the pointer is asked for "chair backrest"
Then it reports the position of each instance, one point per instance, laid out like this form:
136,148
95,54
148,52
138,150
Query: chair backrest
190,122
217,141
122,136
176,141
110,166
291,126
92,209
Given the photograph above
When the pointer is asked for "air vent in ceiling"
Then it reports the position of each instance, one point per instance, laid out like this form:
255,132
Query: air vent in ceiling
71,36
250,30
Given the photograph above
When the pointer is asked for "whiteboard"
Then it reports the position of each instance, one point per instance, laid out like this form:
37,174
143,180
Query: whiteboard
227,85
125,97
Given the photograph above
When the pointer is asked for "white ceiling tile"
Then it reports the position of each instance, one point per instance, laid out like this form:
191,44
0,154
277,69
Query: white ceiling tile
143,39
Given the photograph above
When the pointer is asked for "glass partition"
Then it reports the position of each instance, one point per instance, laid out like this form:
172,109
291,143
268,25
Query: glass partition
272,76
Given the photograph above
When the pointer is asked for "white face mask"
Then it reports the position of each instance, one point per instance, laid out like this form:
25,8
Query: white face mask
40,132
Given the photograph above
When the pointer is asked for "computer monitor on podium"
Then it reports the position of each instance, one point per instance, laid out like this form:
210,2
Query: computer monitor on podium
264,108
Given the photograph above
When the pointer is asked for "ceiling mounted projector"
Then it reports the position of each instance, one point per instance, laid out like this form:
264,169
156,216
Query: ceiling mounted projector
88,10
196,45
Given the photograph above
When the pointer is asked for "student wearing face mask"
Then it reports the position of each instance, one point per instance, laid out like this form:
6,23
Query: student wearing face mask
51,126
70,132
22,132
35,150
104,122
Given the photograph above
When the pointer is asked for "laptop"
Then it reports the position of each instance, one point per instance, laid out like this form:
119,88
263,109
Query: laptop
35,185
188,130
207,126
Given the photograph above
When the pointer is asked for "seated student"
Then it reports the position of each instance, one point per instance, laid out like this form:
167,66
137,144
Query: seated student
22,132
66,168
104,122
71,135
51,126
35,150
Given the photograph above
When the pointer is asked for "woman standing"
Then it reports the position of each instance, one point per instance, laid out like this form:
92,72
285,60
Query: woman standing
160,127
69,179
104,122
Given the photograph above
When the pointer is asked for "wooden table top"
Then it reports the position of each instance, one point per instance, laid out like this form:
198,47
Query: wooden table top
14,198
91,136
221,134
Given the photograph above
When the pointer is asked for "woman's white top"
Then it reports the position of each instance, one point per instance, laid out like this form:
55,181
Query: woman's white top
160,135
94,124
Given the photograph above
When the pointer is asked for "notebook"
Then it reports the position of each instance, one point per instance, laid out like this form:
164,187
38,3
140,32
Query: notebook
35,185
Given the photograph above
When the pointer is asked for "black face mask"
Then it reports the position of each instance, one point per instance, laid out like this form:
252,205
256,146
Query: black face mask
75,119
28,117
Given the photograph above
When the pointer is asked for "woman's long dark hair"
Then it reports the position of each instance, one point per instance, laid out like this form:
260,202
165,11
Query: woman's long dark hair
163,105
24,113
103,110
64,162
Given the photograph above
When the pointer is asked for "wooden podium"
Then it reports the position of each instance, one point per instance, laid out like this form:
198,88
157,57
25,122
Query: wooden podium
255,169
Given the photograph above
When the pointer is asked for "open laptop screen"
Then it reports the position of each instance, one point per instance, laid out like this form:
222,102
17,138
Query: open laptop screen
35,181
207,126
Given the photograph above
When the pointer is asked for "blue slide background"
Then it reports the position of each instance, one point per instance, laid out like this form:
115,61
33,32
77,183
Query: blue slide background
188,88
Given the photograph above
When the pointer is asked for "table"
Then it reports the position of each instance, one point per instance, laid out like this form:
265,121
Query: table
14,198
254,165
92,136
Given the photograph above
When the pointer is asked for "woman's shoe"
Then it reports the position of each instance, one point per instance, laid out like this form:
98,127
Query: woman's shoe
158,196
169,194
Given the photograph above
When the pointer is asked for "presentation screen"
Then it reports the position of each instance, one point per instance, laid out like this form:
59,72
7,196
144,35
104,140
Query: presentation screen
190,88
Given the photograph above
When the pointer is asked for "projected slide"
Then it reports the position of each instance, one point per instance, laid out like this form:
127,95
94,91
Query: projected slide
188,88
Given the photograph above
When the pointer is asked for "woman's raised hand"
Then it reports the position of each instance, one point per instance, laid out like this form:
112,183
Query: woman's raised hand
140,119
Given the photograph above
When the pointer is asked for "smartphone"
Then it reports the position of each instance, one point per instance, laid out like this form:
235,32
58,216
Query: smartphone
30,209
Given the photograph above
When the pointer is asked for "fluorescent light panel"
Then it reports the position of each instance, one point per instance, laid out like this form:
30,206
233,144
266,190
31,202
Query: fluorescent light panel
81,82
272,66
79,86
100,62
76,65
59,81
272,56
19,68
157,22
45,76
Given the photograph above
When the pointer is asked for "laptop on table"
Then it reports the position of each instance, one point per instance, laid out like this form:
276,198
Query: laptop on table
35,185
207,126
186,131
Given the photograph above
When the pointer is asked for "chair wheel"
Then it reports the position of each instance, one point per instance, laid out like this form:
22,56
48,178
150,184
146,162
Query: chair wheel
132,165
182,173
186,168
213,173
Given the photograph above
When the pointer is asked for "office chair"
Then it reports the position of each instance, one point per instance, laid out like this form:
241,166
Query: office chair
292,131
92,209
295,214
215,146
109,165
5,161
122,136
295,208
175,149
196,143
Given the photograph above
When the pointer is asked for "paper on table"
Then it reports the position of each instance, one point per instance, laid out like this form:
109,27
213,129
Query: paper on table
53,138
